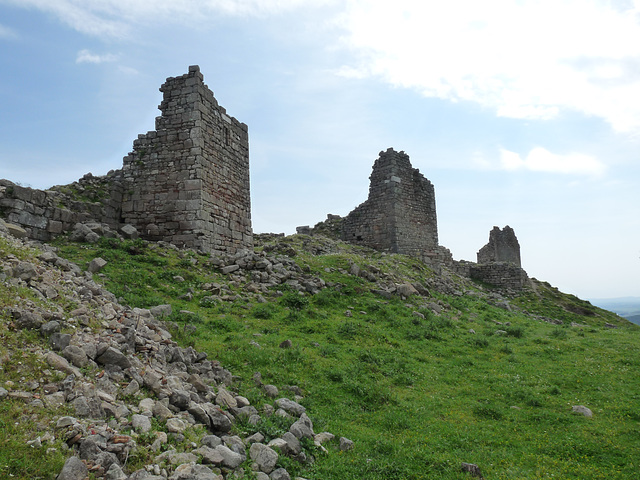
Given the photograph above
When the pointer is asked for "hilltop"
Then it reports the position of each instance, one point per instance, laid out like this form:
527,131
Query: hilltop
415,371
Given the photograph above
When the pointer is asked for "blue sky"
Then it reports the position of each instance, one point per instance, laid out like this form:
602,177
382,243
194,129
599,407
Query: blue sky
524,113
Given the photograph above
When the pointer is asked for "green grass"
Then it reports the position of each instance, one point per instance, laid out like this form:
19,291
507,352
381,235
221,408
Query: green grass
418,396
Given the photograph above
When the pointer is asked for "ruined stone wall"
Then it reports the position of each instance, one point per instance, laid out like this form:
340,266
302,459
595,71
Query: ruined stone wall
503,246
187,182
502,275
400,214
47,213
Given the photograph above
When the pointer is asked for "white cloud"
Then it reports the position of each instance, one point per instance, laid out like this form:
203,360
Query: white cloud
85,56
523,58
115,18
541,160
6,32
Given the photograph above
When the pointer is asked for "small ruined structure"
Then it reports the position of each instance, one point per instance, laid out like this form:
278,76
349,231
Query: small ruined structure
187,182
400,214
503,246
499,261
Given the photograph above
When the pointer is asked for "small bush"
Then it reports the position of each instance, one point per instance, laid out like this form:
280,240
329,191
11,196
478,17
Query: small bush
348,329
487,412
264,311
294,301
516,332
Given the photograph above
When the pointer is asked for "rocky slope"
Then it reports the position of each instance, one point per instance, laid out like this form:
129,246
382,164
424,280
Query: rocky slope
130,390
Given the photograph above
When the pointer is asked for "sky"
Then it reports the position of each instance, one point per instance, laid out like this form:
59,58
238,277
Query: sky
520,112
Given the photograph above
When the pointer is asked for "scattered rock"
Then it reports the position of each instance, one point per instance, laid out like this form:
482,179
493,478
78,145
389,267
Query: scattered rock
96,265
583,410
345,444
264,457
472,468
73,469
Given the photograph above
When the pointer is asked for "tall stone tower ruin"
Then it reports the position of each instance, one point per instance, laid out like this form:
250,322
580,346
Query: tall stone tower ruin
400,214
187,182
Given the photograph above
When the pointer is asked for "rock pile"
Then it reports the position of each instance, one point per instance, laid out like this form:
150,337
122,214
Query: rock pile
134,392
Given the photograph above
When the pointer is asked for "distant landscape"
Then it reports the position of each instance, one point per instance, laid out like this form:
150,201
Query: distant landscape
628,307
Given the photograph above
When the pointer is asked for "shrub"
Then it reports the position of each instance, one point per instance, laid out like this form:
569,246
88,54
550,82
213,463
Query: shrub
264,311
294,300
487,412
516,332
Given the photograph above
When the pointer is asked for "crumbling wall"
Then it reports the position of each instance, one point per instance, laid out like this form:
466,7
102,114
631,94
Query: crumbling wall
500,274
499,261
503,246
187,182
47,213
399,215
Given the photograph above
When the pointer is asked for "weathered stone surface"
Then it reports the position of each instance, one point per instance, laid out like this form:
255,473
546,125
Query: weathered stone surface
112,356
270,390
400,214
96,265
115,473
58,341
129,231
406,290
303,428
345,444
192,471
60,363
583,410
225,399
161,311
290,406
280,474
209,455
75,355
16,230
264,457
73,469
503,246
176,425
168,195
141,423
25,271
230,459
471,468
28,320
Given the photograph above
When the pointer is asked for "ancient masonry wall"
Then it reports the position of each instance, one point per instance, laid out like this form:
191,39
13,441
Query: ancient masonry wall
400,214
499,261
503,246
47,213
503,275
187,182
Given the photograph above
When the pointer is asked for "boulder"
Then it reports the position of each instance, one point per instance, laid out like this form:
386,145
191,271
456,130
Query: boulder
73,469
264,457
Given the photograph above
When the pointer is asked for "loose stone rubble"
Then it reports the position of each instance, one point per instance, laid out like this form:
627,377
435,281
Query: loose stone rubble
128,382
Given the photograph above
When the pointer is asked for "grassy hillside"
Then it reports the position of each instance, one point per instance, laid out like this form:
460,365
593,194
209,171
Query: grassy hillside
419,383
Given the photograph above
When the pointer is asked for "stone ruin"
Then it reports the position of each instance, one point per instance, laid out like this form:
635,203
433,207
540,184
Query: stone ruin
499,261
186,182
503,246
400,214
